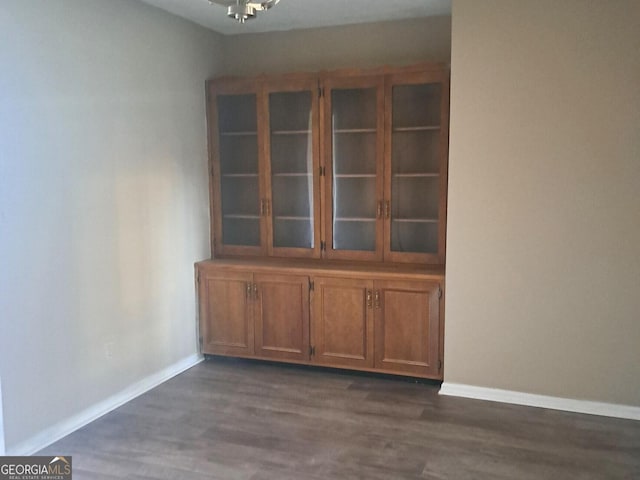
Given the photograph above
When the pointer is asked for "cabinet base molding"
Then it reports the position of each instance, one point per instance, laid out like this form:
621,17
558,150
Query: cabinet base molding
373,372
541,401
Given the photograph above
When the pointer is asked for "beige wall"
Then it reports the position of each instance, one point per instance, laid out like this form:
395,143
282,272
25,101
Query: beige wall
543,261
103,200
367,45
2,448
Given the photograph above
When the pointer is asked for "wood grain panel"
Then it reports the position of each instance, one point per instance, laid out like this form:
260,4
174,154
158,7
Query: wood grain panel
226,315
407,326
343,321
282,316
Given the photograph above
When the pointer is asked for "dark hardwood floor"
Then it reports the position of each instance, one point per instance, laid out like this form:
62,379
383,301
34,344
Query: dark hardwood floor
243,420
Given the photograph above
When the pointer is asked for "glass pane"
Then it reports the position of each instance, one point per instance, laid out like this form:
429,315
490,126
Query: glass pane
290,111
294,199
414,237
291,169
416,151
355,198
239,170
292,232
352,235
354,153
414,197
415,168
240,215
237,113
414,214
354,117
354,108
238,154
416,105
240,231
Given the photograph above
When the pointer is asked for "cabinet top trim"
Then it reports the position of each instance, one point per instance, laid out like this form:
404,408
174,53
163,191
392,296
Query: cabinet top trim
343,72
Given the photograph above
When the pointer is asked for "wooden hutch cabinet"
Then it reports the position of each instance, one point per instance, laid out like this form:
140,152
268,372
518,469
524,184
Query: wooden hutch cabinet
328,217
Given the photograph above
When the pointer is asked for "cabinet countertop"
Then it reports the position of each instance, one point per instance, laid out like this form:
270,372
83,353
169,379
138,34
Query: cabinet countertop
328,267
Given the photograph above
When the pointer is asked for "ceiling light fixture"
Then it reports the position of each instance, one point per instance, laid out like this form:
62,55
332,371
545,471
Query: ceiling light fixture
243,10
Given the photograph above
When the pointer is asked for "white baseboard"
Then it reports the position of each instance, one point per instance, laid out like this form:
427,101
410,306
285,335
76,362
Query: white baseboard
69,425
542,401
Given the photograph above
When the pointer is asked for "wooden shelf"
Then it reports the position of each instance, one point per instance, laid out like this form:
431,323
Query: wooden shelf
354,219
421,128
290,132
355,175
239,175
415,220
415,175
355,130
299,219
237,134
241,216
292,174
302,266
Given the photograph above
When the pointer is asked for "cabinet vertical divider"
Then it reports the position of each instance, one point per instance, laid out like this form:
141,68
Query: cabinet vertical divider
444,167
387,175
264,147
311,319
213,170
388,115
326,148
319,135
317,163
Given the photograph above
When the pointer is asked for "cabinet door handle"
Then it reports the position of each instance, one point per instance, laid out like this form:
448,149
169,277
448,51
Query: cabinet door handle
248,291
255,291
387,209
377,298
379,211
268,207
369,300
263,207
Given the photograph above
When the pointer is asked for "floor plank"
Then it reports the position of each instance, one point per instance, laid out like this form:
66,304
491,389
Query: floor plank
256,421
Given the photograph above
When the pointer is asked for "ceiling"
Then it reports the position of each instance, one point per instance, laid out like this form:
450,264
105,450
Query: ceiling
296,14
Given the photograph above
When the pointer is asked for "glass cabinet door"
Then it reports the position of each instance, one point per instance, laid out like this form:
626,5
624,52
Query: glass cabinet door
353,122
237,189
293,161
416,171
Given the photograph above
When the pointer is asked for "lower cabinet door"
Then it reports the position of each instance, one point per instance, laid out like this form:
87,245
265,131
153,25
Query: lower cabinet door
281,304
226,313
342,318
407,324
